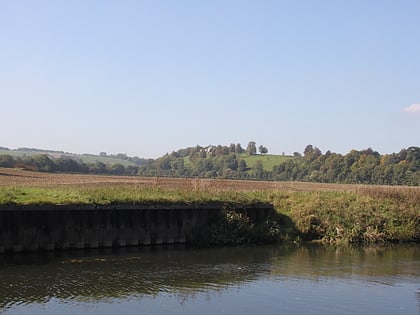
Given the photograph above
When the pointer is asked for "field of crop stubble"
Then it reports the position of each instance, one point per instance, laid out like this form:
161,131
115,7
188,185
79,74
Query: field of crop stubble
22,178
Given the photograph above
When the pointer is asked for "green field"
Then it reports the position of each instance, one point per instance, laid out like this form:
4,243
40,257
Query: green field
268,160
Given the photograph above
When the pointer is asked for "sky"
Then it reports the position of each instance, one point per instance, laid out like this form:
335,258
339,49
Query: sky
149,77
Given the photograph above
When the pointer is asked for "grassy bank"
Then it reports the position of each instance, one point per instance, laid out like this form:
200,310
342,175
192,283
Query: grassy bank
340,217
365,216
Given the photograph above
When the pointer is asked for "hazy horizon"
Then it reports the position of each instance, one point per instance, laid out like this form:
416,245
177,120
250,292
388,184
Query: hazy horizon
227,144
149,77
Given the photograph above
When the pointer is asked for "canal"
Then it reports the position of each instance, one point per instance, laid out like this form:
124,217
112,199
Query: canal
309,279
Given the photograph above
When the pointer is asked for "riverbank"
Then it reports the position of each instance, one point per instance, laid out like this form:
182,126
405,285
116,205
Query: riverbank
303,211
330,217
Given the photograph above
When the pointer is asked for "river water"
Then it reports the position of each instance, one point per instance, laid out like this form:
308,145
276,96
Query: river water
244,280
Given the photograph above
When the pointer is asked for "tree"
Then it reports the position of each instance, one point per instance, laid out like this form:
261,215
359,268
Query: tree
262,149
122,156
239,149
241,165
117,169
259,170
98,168
311,152
251,149
308,150
7,161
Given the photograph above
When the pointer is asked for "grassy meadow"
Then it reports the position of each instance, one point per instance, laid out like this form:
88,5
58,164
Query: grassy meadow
328,213
268,160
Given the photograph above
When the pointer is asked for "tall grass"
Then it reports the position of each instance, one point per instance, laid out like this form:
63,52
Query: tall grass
343,217
15,195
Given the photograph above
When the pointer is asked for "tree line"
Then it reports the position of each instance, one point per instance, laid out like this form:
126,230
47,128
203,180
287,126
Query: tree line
229,161
45,163
356,167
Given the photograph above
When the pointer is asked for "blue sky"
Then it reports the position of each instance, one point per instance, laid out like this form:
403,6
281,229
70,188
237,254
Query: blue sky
148,77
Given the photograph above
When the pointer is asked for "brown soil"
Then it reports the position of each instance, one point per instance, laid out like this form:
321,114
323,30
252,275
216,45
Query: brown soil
18,177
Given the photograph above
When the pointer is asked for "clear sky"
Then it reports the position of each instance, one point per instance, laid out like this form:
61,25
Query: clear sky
149,77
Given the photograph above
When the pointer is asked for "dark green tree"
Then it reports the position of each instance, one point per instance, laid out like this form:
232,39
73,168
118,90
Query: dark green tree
262,149
239,149
251,149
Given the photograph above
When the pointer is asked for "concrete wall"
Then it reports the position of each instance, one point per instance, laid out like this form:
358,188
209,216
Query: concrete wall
32,228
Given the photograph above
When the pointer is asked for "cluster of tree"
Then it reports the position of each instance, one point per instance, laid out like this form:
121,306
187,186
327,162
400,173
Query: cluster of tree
171,165
44,163
211,161
365,166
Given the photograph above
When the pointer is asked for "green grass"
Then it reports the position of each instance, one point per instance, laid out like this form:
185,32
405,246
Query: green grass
118,195
344,217
268,160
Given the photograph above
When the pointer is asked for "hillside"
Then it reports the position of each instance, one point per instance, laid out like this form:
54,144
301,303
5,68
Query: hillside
83,158
233,162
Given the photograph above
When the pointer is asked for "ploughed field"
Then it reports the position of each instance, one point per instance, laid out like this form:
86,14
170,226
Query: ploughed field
23,178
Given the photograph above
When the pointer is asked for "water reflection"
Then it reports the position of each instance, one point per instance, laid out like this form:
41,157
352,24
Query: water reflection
377,264
104,275
96,275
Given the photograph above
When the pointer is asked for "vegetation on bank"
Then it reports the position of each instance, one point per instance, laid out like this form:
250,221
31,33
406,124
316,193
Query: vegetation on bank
367,216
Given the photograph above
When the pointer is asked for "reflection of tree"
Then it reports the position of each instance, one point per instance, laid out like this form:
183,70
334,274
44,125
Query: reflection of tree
418,298
136,272
103,275
378,264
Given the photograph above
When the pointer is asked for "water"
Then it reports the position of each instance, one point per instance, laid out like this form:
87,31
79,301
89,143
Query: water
245,280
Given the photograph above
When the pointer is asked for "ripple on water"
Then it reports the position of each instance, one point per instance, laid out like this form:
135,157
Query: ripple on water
310,280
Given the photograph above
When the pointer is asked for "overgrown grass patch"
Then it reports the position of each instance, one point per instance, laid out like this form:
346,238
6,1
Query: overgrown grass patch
343,217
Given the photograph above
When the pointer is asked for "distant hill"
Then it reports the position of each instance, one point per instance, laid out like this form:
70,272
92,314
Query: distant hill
83,158
233,162
215,161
